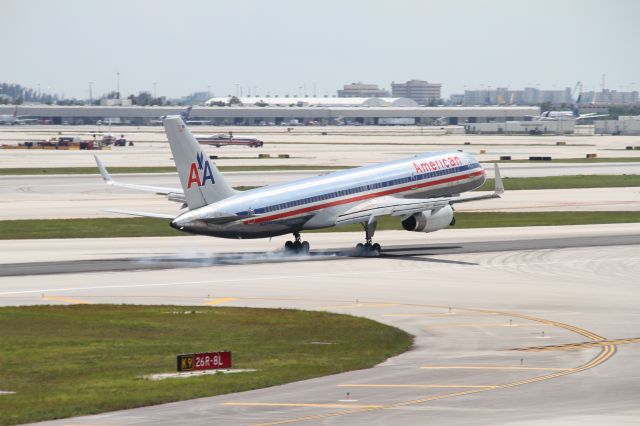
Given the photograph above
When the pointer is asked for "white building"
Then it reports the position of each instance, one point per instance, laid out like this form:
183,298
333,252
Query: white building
610,97
504,96
314,102
624,125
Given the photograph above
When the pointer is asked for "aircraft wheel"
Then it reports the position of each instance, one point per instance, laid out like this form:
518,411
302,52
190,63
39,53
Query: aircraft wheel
376,247
304,247
289,246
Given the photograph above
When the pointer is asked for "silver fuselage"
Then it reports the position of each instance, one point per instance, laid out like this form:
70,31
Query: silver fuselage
318,202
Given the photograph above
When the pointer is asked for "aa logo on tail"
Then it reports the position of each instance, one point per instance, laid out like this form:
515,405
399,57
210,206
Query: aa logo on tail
200,166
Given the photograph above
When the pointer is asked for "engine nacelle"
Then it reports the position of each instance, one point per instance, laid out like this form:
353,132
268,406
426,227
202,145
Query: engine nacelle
430,221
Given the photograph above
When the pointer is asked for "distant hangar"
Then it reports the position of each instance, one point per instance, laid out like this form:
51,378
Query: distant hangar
314,102
277,115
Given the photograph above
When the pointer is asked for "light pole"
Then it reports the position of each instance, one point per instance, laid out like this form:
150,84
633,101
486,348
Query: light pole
118,83
90,93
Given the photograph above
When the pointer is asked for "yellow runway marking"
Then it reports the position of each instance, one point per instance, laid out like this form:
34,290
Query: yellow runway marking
414,386
67,300
360,305
221,300
437,315
605,354
491,367
277,404
507,325
418,315
581,345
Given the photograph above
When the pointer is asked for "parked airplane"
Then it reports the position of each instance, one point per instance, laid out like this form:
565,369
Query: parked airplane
13,119
574,114
420,190
185,117
229,140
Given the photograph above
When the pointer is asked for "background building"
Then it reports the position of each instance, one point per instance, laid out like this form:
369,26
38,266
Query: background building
504,96
362,90
423,92
610,97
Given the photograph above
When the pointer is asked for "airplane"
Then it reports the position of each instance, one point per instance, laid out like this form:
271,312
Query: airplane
13,119
185,117
574,114
420,190
229,139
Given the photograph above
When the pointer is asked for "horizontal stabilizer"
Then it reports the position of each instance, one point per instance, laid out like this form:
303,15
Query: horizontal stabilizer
143,214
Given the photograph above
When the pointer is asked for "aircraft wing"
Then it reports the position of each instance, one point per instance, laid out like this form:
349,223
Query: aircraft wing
405,207
388,206
591,115
173,194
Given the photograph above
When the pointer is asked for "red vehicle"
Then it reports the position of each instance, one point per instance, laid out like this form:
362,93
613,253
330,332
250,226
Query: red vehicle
224,140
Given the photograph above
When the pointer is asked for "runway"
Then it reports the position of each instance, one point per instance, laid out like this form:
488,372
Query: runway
488,307
423,253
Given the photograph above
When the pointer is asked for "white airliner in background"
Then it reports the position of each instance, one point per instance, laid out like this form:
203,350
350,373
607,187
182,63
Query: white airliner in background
13,119
420,190
574,114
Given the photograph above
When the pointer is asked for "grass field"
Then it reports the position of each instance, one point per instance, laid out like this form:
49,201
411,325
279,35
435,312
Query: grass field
65,361
147,227
575,160
565,182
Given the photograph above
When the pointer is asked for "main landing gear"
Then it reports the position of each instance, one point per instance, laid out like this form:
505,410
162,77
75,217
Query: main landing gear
296,246
369,248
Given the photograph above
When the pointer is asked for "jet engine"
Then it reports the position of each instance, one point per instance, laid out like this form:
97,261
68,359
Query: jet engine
430,220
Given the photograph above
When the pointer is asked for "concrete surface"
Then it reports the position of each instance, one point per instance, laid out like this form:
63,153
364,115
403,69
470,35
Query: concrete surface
341,146
486,322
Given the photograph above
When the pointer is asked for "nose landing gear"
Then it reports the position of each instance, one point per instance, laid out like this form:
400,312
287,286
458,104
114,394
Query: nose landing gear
297,246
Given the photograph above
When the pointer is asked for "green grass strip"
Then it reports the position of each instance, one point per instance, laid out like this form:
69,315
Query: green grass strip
574,160
86,228
565,182
147,227
21,171
65,361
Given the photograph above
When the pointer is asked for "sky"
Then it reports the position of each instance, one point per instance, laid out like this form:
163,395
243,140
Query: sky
281,47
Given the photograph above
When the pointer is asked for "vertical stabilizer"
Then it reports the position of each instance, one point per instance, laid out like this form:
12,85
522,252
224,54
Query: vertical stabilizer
201,181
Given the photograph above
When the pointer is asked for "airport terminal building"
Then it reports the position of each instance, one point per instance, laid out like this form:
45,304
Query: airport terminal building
279,115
